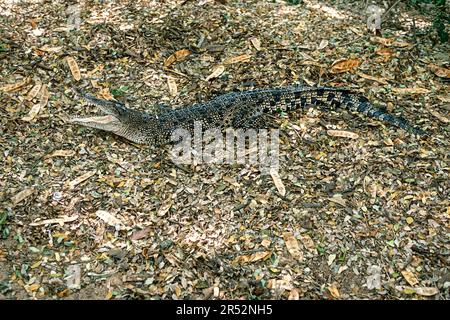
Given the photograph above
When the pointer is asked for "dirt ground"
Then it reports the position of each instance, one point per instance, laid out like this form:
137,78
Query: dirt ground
87,215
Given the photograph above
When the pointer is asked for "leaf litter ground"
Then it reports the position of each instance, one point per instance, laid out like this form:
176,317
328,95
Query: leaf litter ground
357,210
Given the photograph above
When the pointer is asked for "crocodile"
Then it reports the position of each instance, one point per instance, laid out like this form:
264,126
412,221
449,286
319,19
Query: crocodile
246,109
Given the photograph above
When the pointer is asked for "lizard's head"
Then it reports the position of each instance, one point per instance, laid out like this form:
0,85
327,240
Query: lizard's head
119,120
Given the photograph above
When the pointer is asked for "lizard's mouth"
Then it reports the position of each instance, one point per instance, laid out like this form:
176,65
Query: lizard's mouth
110,122
96,122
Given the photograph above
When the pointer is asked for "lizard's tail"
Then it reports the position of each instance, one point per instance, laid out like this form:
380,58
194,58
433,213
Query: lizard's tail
355,102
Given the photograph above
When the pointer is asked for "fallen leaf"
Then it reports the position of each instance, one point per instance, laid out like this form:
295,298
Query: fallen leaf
177,56
410,90
445,99
384,41
172,86
344,65
343,134
292,246
98,68
110,219
95,84
334,291
427,291
47,48
73,66
331,259
44,95
34,91
294,295
439,71
32,113
308,243
410,277
252,258
373,281
423,291
106,94
59,221
439,116
60,153
22,195
72,184
141,233
164,208
323,44
15,86
216,73
256,43
383,51
73,278
241,58
278,182
377,79
266,243
337,198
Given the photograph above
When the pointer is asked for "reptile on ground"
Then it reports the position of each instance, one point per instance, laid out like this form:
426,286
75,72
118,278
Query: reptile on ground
232,110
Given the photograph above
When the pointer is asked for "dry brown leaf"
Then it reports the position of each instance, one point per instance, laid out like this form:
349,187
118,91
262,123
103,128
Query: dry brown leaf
414,90
44,95
256,43
308,243
22,195
441,117
95,84
98,68
110,219
141,233
294,295
292,246
241,58
337,198
34,91
172,86
278,182
252,258
15,86
216,72
322,45
390,42
177,56
383,51
47,48
445,99
60,153
440,71
384,41
377,79
334,291
343,134
72,184
344,65
60,221
73,66
32,113
427,291
164,208
410,277
106,94
266,243
423,291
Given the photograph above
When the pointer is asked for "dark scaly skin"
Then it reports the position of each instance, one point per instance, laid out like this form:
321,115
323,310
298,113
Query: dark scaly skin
236,110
